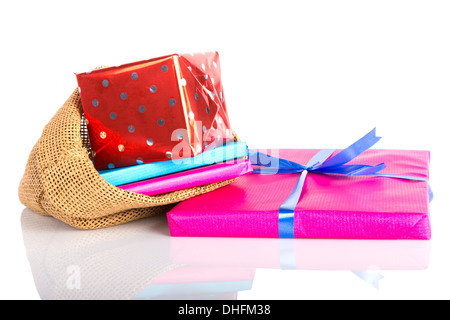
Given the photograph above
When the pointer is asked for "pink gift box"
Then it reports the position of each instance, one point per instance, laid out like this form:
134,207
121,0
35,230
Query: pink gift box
331,206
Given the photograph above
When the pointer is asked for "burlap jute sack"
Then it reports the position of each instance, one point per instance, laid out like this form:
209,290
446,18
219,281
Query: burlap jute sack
60,179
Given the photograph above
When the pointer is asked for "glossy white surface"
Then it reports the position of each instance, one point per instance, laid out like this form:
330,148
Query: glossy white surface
140,260
296,74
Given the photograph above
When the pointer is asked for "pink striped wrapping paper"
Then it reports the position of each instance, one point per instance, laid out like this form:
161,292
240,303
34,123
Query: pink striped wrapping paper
191,178
331,206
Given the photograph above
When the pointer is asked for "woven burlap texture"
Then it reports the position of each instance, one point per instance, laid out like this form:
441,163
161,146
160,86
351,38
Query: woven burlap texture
60,179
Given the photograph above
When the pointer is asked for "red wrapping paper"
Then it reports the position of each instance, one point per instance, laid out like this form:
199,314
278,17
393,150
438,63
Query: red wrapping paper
153,110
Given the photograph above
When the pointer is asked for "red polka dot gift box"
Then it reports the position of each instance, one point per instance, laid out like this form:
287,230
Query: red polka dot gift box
154,110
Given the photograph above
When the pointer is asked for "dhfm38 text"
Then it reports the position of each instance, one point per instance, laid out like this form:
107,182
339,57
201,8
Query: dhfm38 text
226,309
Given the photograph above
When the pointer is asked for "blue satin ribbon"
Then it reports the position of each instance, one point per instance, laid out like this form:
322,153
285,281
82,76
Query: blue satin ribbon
321,162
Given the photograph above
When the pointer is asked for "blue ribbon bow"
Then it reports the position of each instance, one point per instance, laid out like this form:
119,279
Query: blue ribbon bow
321,162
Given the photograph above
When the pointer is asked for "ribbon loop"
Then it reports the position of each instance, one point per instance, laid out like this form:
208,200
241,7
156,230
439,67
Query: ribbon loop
352,151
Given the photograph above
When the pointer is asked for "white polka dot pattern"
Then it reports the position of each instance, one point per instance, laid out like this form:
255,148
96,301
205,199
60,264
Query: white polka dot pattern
133,109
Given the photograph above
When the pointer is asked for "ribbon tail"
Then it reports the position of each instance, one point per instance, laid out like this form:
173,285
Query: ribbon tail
368,170
353,169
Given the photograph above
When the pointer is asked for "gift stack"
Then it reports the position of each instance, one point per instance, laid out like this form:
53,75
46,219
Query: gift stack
161,125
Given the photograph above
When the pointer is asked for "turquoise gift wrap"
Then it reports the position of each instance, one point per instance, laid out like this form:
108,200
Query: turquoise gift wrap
124,175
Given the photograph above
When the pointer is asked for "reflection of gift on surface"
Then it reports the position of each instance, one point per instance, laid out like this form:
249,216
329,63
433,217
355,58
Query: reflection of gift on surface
166,107
331,206
197,282
302,254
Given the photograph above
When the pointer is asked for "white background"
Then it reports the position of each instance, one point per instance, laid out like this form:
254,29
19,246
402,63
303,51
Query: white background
296,74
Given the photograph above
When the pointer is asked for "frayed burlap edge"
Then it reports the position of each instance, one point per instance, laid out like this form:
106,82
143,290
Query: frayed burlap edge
60,179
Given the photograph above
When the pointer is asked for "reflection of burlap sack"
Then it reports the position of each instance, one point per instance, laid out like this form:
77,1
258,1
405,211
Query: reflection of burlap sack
61,181
114,263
